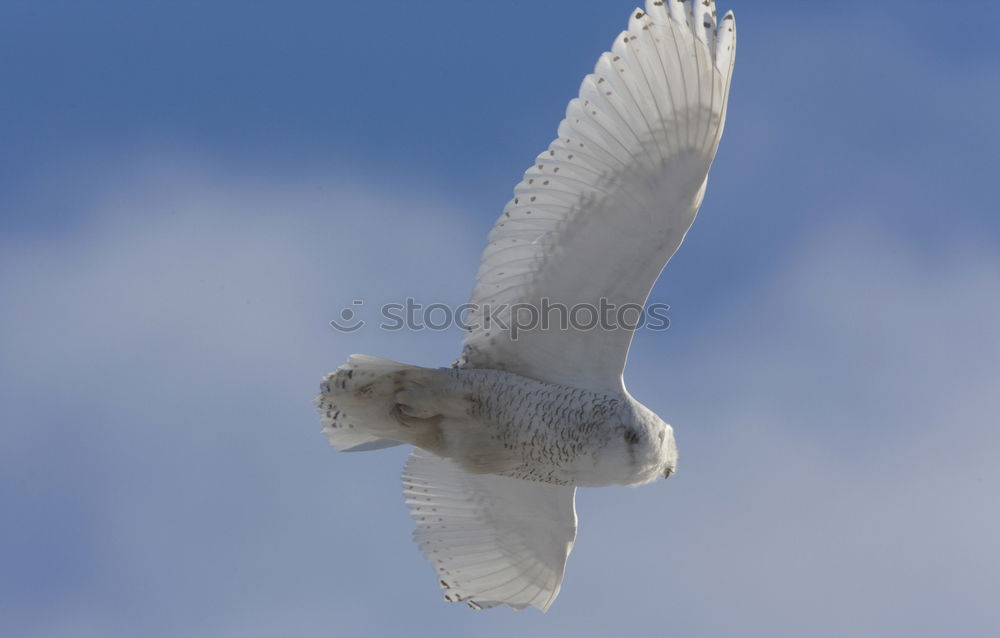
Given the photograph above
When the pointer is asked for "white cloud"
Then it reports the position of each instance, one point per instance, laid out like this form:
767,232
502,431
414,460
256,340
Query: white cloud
837,429
836,424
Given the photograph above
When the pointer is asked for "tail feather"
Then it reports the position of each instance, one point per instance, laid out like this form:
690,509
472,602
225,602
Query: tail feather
370,403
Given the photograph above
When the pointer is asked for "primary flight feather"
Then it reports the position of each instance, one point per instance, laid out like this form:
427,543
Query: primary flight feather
503,438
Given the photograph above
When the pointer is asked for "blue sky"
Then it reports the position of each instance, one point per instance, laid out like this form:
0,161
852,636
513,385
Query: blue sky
189,193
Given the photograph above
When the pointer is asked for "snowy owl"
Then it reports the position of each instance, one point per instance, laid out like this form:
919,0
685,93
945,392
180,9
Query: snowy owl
503,438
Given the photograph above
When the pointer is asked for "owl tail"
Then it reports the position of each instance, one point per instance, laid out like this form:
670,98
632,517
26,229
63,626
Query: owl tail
371,403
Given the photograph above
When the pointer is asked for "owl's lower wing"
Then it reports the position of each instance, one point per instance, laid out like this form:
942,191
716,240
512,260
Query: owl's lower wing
492,539
571,260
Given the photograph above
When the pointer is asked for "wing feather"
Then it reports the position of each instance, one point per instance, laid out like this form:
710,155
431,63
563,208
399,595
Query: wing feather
492,539
603,209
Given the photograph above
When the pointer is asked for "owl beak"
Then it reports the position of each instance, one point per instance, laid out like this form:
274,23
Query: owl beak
668,472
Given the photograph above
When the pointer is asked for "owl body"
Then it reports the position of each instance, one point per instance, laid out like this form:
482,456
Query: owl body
496,422
554,433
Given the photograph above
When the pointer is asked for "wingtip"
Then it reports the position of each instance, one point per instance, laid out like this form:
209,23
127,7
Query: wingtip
726,42
544,607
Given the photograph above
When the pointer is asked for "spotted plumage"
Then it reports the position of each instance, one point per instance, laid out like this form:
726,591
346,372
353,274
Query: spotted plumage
504,437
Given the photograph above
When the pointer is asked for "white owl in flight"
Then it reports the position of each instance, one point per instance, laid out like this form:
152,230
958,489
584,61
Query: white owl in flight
504,437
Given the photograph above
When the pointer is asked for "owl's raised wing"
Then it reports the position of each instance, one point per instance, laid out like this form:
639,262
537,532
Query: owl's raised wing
600,212
492,539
